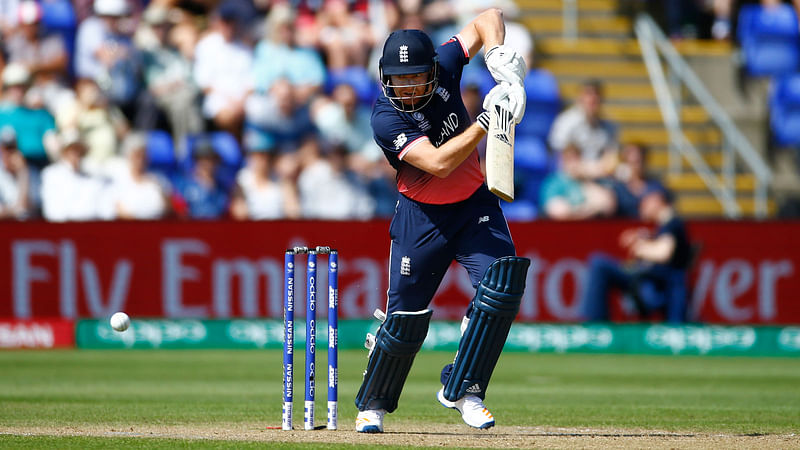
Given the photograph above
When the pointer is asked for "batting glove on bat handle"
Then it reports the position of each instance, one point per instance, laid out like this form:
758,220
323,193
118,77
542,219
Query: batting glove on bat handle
505,65
511,97
483,120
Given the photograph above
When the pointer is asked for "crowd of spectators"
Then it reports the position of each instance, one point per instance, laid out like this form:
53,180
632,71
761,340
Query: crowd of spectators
699,19
265,105
596,176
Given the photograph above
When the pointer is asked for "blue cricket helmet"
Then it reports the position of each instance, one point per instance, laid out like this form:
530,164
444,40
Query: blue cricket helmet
408,52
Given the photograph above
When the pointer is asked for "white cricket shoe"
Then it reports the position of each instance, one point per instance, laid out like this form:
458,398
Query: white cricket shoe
472,410
370,421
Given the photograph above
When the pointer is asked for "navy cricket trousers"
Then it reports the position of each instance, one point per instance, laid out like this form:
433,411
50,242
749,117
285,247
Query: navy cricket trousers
427,238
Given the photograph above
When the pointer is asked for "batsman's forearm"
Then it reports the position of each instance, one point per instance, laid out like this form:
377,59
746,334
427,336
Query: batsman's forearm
490,28
453,152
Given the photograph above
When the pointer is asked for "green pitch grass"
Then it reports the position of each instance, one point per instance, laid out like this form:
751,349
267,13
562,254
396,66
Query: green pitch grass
51,392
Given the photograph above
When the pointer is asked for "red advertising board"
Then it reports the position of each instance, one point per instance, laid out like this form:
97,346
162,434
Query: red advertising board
39,333
748,272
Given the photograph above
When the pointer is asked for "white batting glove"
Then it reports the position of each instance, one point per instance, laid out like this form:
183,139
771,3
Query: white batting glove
505,65
509,96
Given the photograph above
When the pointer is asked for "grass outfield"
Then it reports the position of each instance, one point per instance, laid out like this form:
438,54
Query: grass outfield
100,399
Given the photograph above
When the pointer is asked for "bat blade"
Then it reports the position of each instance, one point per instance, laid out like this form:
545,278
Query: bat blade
500,153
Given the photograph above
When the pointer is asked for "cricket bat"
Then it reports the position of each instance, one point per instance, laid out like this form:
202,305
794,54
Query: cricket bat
500,153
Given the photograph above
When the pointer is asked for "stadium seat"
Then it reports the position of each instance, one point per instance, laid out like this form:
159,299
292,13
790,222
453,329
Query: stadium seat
160,152
770,39
476,75
226,146
58,16
543,104
528,184
785,111
530,153
520,210
532,163
366,87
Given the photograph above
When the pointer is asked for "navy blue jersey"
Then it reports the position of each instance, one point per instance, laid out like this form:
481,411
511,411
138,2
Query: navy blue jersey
442,118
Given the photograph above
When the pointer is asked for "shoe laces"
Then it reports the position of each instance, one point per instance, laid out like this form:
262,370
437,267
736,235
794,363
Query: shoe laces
474,403
372,414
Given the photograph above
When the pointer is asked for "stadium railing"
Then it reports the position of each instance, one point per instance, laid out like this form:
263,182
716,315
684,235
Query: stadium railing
652,41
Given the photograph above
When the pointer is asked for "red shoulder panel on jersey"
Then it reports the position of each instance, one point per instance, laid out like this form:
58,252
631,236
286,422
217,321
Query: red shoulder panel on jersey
461,42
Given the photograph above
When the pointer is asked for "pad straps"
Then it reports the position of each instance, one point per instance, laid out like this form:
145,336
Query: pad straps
396,344
494,308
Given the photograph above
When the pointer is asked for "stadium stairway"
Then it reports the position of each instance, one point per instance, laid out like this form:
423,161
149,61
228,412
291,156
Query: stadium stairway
606,48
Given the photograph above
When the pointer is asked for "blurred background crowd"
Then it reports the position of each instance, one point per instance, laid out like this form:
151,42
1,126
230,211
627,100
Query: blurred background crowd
700,19
259,109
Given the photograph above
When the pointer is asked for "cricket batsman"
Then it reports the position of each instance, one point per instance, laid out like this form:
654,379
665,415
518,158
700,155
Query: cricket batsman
445,212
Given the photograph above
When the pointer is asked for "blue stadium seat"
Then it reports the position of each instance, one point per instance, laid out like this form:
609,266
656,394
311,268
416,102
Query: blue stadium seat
532,163
226,146
528,184
770,39
530,153
366,87
785,111
160,152
520,210
543,104
474,74
58,16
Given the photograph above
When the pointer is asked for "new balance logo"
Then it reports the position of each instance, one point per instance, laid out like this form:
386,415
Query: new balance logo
400,141
483,219
403,53
474,389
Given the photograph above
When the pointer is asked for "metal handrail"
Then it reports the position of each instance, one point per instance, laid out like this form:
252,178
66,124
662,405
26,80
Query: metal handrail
569,20
651,38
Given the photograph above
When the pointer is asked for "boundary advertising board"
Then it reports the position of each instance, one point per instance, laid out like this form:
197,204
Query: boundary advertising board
747,272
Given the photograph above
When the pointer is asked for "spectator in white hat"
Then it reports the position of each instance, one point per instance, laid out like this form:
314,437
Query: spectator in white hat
138,194
68,193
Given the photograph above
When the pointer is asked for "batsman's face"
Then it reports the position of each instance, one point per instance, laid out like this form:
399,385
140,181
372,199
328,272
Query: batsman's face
410,87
